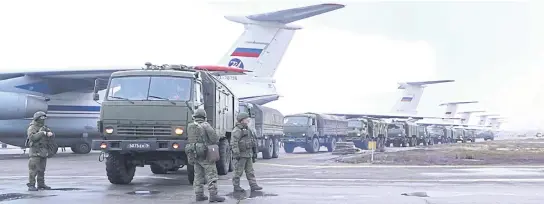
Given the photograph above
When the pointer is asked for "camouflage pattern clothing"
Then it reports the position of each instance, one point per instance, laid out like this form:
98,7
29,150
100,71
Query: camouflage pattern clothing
244,149
201,133
38,141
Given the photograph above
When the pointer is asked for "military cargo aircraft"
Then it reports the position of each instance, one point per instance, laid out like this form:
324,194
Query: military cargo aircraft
67,95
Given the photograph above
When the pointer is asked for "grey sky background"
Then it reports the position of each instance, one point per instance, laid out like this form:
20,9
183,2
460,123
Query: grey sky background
347,60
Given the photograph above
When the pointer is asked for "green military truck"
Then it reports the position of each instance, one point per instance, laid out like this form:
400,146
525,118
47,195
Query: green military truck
145,113
268,125
423,136
365,129
470,135
461,135
402,133
313,130
439,134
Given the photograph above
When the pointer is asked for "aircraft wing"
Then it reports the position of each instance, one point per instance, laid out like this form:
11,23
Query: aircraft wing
83,80
260,100
389,116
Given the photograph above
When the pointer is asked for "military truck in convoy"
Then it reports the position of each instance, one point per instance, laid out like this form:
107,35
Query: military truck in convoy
423,137
463,135
365,129
313,130
267,123
485,134
145,113
439,134
470,135
402,133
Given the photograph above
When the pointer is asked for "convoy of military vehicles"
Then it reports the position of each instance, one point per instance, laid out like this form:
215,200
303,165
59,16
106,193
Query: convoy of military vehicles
145,113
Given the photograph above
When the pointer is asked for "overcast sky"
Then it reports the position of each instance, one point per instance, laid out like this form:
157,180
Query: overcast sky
494,51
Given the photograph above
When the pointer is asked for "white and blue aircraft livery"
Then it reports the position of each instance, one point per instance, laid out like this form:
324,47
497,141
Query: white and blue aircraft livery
66,95
406,105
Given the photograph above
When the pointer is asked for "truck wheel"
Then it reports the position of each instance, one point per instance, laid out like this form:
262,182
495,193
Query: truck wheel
331,146
225,157
289,148
313,147
117,169
268,149
158,169
81,148
190,173
276,152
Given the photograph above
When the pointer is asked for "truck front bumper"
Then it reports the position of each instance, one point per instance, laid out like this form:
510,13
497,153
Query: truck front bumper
139,145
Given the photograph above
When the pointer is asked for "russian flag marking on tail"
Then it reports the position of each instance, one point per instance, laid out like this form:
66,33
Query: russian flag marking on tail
406,99
247,52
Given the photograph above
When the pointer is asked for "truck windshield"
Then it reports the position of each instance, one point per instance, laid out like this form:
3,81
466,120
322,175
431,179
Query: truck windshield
355,124
150,88
296,120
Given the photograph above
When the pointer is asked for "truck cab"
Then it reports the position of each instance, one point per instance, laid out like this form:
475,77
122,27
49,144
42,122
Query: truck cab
145,114
459,134
402,133
423,136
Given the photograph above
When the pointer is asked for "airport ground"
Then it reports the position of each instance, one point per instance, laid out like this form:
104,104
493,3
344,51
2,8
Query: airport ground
292,178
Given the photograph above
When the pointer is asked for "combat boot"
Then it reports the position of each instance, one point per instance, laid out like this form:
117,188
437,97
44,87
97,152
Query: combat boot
201,197
31,187
256,187
216,198
238,189
44,187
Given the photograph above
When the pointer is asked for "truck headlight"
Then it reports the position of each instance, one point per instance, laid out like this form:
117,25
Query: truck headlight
400,134
109,130
303,134
358,134
178,131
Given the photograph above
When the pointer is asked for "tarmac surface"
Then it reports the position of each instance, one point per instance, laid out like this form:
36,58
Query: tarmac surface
292,178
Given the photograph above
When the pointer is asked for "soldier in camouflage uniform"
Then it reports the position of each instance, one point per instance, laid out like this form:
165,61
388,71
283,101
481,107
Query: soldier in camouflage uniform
244,150
200,135
38,137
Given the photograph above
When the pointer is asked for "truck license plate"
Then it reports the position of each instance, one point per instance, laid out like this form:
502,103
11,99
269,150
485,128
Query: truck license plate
138,146
291,140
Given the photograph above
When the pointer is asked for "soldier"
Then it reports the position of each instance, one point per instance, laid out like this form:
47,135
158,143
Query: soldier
244,150
38,137
200,135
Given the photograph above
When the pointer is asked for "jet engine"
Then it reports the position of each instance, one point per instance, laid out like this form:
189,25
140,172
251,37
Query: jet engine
19,106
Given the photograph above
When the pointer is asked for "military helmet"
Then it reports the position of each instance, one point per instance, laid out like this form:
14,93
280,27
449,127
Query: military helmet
38,115
241,116
199,113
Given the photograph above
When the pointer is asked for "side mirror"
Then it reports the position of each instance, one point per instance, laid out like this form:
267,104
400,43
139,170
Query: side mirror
96,97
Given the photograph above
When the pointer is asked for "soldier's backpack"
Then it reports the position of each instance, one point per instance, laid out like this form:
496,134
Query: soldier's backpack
211,150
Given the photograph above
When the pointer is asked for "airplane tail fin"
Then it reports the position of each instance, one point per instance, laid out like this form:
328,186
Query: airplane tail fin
411,95
262,45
